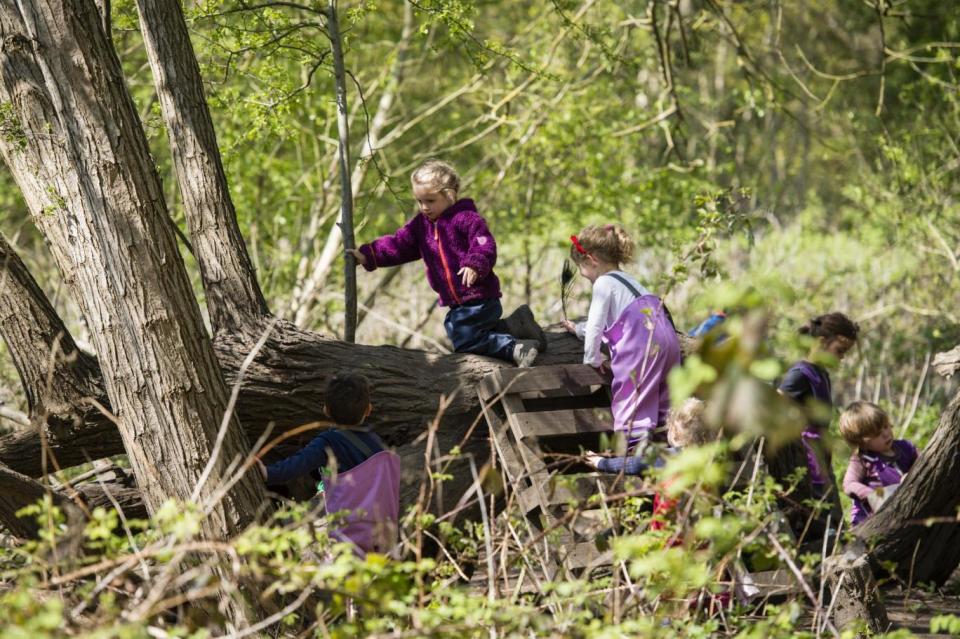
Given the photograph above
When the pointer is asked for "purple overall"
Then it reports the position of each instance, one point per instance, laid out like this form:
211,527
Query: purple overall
818,459
872,470
643,348
370,495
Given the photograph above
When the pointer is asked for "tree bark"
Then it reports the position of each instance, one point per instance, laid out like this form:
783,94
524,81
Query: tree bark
233,295
899,532
75,146
56,376
283,387
17,491
346,190
857,603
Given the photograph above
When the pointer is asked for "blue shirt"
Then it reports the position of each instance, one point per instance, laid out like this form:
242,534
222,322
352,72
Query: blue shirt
313,456
704,327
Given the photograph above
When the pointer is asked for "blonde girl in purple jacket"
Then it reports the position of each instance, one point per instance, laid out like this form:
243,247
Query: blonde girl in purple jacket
459,253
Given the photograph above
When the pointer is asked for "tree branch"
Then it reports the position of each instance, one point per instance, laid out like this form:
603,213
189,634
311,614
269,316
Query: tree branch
55,374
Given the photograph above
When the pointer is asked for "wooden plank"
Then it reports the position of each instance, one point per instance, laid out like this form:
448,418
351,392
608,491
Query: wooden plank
576,378
754,586
585,554
565,422
499,432
530,453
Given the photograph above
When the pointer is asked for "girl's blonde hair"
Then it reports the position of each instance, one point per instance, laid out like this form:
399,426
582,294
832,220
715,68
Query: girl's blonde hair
608,243
861,421
437,175
685,426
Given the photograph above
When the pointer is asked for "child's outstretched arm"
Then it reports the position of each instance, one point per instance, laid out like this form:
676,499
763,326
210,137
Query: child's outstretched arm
311,457
391,250
481,253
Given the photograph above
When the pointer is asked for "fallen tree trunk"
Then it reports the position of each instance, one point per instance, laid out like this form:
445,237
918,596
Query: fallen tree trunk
284,387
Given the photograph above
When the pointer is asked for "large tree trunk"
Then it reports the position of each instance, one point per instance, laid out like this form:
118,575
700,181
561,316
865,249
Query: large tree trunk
75,146
899,532
233,295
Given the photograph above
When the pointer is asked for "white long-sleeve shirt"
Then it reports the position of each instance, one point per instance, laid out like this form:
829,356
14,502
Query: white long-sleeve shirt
610,298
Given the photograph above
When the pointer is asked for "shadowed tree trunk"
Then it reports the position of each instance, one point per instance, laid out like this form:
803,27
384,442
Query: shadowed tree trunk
17,491
56,376
899,531
77,150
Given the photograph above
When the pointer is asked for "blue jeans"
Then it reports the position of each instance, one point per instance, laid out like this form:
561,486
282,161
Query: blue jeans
470,328
630,465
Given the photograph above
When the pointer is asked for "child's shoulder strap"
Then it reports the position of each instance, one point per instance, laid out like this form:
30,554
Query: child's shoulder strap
620,278
357,442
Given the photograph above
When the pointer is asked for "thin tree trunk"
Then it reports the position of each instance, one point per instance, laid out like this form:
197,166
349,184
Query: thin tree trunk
304,296
346,191
233,296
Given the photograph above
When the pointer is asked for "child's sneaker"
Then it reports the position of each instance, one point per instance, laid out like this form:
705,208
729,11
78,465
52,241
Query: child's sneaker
524,352
520,323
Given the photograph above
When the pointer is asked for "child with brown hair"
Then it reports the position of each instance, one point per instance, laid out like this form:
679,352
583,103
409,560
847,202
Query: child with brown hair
636,327
879,461
361,476
808,383
459,253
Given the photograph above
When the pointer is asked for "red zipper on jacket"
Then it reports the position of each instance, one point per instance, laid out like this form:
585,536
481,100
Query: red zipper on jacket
443,260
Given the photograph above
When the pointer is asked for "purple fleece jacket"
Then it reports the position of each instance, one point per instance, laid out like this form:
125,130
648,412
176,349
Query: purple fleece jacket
458,238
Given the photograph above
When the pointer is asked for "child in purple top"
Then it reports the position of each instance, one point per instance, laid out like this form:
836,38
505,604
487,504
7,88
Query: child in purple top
807,382
879,461
360,476
459,254
638,331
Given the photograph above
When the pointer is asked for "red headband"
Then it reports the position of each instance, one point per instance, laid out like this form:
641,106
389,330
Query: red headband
576,243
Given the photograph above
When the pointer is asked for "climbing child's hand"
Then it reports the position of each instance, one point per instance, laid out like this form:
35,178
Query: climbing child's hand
468,275
357,255
570,326
592,458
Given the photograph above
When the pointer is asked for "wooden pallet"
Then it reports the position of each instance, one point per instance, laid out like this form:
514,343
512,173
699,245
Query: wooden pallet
541,420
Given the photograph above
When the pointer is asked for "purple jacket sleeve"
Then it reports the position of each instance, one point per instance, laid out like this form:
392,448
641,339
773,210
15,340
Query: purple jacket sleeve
853,479
392,250
482,248
911,454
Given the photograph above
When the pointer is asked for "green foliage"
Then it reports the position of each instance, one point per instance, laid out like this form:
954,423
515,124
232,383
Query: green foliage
945,624
747,146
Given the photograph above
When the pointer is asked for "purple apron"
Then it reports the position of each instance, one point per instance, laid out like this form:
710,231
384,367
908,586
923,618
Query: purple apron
643,348
370,495
883,471
817,456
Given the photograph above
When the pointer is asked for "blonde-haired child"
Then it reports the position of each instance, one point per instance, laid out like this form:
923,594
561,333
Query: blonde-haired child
879,461
459,253
636,327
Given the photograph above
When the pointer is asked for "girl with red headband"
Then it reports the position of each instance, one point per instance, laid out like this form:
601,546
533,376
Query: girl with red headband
639,332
